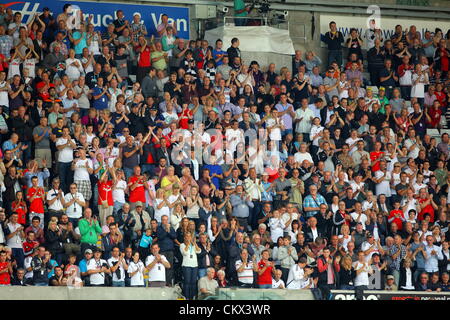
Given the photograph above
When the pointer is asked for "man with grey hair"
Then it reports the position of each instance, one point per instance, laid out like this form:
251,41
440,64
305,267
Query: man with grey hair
312,202
207,285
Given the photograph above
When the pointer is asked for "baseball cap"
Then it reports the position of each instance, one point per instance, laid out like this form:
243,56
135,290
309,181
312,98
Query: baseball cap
381,89
46,9
139,204
87,251
390,277
369,234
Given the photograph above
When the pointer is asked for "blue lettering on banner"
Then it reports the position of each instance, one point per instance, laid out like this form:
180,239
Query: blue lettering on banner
104,13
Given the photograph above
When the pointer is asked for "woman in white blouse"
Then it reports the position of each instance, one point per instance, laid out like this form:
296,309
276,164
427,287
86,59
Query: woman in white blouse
177,215
136,269
74,68
189,250
161,205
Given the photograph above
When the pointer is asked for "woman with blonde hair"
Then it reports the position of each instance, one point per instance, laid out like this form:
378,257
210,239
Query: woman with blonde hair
194,203
189,251
161,206
406,280
345,237
176,216
346,272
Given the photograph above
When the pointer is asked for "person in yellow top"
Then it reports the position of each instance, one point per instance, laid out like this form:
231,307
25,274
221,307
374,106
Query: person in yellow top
169,180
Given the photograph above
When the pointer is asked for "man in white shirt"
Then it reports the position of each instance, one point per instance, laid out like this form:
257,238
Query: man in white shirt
14,27
96,269
382,180
277,282
363,270
412,144
83,168
303,118
70,104
118,267
55,199
156,265
74,203
370,247
303,155
432,254
15,239
65,145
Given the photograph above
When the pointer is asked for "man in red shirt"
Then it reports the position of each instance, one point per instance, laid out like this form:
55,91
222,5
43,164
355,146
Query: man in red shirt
426,205
376,156
105,198
36,198
265,270
137,187
396,215
144,62
5,270
434,114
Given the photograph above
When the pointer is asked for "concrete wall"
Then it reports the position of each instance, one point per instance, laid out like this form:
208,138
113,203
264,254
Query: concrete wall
65,293
264,294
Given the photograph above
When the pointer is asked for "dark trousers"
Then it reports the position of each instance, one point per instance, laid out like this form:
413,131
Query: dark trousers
189,282
141,72
253,217
284,274
169,271
374,71
65,175
406,92
335,55
326,290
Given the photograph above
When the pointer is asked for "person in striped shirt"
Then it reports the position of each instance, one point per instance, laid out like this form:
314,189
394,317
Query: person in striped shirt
245,269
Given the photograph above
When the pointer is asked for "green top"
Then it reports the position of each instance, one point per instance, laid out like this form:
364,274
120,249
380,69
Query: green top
89,232
239,5
160,64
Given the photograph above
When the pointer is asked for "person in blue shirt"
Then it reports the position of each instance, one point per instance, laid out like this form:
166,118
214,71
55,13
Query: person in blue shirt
215,171
145,243
82,265
79,40
35,171
53,263
218,53
100,95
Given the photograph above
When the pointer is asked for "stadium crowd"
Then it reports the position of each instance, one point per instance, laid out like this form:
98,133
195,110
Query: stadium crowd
130,159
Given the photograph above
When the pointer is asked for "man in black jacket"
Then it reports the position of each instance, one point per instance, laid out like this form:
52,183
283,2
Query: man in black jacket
206,256
19,278
234,254
41,267
312,231
166,236
234,51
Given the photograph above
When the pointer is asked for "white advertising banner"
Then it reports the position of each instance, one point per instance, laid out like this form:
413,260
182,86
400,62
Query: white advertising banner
345,22
259,38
